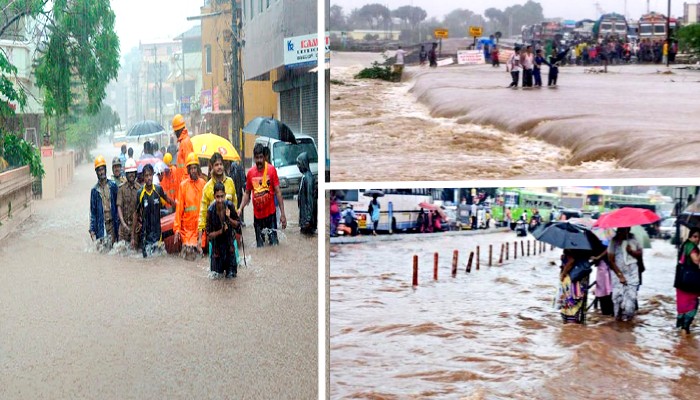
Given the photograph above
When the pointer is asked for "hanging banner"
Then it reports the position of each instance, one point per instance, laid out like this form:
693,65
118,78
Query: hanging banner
470,57
185,105
215,98
206,101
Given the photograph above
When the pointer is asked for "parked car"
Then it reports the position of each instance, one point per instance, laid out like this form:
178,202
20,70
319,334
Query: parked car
284,158
667,228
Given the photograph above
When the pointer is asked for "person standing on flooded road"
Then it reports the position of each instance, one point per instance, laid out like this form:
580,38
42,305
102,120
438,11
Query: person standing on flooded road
537,72
306,199
187,210
687,302
624,251
217,174
513,66
117,175
527,60
422,55
151,199
126,201
222,224
263,185
374,209
104,223
573,292
184,146
432,56
398,65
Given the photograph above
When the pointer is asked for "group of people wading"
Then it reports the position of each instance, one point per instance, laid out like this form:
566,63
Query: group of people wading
128,208
619,277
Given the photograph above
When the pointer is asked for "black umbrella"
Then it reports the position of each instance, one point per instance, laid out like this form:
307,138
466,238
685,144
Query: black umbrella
146,127
272,128
372,192
566,235
689,219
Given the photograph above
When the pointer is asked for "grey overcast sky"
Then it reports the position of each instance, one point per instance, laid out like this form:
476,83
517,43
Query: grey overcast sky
152,20
567,9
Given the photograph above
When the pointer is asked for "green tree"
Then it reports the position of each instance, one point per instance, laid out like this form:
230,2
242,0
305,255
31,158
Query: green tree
459,20
82,47
337,18
410,17
689,38
376,15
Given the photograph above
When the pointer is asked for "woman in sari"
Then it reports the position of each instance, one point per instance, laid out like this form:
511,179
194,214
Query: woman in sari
623,254
572,295
686,302
603,286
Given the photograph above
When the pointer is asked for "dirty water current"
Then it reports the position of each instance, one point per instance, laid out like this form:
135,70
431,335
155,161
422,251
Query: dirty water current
77,323
460,123
493,333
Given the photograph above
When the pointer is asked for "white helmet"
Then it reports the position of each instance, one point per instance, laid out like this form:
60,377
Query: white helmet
130,165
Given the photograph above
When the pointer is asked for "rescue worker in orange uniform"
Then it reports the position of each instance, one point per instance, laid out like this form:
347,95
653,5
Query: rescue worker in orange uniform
187,210
170,181
185,145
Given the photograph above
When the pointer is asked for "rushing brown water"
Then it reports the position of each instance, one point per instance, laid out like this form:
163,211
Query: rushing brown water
75,323
459,122
493,333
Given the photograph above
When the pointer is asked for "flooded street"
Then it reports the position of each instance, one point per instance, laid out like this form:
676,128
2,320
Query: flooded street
80,324
493,333
459,122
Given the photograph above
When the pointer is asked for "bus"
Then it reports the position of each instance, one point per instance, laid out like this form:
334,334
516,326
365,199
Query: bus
399,208
572,198
520,200
599,201
611,26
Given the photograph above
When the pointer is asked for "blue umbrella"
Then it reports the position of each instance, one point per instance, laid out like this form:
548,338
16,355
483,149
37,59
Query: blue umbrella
272,128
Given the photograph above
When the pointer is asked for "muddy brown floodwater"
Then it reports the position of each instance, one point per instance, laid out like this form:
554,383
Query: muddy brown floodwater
493,333
79,324
460,122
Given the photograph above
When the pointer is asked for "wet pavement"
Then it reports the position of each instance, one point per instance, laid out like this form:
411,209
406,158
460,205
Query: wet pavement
460,122
80,324
493,333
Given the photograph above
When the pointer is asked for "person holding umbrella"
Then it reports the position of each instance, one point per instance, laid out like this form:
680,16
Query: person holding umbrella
624,251
579,243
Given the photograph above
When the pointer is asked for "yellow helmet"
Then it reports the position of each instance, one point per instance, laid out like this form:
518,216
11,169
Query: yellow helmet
191,159
168,159
100,162
178,122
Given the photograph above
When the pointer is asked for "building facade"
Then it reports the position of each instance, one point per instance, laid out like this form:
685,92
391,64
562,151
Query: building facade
274,31
691,12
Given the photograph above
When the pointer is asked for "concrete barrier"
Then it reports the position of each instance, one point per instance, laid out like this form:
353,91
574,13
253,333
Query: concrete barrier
15,199
59,168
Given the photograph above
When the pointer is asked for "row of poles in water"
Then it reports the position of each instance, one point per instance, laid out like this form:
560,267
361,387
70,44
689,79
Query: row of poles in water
537,248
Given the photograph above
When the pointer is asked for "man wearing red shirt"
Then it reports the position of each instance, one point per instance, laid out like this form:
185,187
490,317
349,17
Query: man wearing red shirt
262,184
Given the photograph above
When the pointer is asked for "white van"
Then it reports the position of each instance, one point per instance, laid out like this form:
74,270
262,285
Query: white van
284,158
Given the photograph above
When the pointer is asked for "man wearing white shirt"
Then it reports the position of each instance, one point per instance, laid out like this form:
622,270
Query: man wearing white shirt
398,65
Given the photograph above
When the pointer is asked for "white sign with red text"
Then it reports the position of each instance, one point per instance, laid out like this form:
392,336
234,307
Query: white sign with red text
300,50
470,57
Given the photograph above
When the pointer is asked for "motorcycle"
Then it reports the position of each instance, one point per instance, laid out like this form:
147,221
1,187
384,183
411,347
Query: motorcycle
521,228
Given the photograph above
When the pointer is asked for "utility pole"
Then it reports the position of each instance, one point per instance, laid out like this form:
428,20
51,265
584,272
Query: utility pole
236,81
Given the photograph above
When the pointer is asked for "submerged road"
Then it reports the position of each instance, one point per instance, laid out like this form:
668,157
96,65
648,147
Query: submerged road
75,323
461,123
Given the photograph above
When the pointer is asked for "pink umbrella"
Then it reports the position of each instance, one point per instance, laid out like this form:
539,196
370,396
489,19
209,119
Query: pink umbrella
626,217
